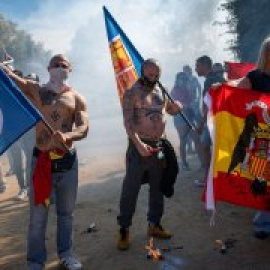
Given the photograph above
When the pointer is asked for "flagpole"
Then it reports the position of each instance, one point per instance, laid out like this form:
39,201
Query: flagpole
181,113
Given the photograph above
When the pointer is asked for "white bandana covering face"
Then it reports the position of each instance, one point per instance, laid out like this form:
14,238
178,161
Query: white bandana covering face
58,77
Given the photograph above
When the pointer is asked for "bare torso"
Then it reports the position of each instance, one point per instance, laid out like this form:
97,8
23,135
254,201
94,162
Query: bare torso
59,112
148,113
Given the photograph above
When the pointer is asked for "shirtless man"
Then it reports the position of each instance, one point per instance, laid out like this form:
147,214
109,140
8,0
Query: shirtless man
66,111
144,108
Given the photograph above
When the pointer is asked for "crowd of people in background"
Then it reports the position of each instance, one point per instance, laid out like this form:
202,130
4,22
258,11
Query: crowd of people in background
189,92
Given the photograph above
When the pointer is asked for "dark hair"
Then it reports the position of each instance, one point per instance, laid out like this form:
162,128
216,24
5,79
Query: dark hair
205,60
58,57
181,75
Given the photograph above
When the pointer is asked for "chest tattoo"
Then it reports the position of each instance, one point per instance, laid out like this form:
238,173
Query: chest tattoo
55,116
47,97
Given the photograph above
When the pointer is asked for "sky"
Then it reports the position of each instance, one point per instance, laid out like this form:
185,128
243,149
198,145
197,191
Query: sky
175,32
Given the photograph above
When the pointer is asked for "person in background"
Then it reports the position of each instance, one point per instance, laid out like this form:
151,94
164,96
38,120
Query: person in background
196,91
218,69
28,142
182,93
259,80
196,103
204,68
17,160
2,180
20,153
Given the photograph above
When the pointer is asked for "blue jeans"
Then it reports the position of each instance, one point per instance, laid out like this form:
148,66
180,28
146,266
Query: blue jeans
184,133
65,185
262,222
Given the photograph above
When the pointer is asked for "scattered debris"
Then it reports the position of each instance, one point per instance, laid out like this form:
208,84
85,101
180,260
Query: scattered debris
91,229
222,246
170,248
230,242
226,244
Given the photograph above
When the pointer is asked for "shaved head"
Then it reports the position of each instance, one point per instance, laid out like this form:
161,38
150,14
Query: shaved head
59,58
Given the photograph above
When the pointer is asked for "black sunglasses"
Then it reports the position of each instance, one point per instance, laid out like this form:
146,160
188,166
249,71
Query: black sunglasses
60,65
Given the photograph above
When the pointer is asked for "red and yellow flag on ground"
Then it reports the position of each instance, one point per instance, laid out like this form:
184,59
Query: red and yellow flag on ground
239,125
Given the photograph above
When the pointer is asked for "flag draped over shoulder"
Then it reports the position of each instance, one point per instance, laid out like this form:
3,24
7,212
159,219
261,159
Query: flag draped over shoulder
238,70
17,115
239,124
125,57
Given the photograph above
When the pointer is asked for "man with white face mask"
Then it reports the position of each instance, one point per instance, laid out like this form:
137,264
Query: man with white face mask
54,168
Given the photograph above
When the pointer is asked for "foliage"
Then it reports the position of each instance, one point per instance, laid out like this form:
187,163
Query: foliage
29,56
249,21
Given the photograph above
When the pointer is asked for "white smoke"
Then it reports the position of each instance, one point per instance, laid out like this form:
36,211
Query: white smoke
175,32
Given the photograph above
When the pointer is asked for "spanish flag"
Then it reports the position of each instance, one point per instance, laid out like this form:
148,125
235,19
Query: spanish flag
239,125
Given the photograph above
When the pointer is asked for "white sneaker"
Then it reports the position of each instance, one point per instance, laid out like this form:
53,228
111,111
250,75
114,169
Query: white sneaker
199,183
3,186
71,263
23,194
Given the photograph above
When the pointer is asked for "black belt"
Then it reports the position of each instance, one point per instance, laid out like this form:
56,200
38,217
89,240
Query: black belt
62,164
37,151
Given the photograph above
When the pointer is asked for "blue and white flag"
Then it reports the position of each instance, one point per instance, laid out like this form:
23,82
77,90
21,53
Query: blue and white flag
17,114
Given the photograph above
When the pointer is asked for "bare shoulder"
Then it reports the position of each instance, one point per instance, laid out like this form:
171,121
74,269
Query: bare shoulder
33,85
81,103
33,90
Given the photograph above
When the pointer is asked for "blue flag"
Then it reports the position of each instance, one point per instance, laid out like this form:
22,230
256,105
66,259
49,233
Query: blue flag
17,114
126,59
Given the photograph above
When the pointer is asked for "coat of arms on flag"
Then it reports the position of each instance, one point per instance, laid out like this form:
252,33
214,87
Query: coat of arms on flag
257,157
240,129
125,57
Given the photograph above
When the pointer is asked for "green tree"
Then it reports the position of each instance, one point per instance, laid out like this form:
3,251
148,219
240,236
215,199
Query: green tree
249,21
29,56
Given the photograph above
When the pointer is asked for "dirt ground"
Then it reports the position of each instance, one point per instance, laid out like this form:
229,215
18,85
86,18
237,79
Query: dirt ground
98,203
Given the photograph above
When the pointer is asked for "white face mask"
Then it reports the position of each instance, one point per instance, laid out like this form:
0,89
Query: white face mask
58,75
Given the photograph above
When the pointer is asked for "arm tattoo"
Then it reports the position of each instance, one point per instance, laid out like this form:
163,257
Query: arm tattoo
128,110
79,119
66,125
